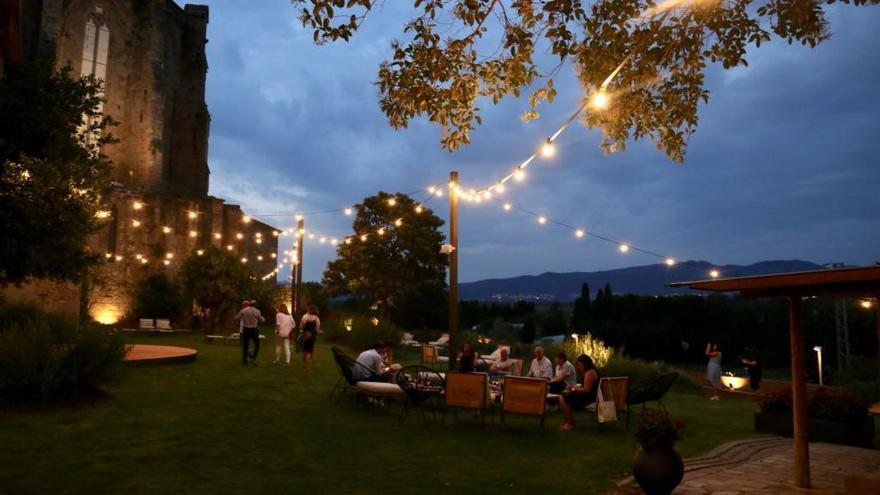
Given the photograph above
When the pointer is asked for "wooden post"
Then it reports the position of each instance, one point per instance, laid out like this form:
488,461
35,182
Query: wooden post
297,298
453,268
877,309
799,394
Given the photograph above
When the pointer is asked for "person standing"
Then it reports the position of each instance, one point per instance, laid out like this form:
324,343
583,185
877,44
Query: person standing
284,325
754,366
713,369
309,326
250,318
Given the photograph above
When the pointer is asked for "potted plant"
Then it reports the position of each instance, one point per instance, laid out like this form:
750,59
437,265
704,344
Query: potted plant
657,467
833,418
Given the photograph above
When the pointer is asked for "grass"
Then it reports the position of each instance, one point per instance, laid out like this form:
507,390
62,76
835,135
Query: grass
215,426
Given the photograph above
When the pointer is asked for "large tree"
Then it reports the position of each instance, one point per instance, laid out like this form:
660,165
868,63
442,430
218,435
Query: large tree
395,264
52,174
459,51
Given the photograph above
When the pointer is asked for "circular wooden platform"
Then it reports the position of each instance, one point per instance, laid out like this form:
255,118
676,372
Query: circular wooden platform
158,355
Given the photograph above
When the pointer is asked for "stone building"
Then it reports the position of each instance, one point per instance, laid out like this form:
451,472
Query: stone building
150,55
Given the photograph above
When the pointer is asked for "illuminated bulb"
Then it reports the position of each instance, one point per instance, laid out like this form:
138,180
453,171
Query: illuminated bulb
432,190
600,100
143,261
477,198
438,192
322,240
347,212
273,256
192,215
519,175
866,303
193,233
166,230
108,255
218,235
398,222
392,201
670,262
548,150
135,223
137,205
239,236
348,241
138,256
259,241
244,260
167,262
311,236
258,234
169,255
579,233
246,219
260,258
624,248
102,214
451,184
118,258
364,238
200,252
275,233
499,188
298,217
333,242
419,208
229,247
714,273
487,194
300,232
381,231
542,219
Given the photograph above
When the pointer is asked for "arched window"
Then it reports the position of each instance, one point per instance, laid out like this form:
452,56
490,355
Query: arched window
96,43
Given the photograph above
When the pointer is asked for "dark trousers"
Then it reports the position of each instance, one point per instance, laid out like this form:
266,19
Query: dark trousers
246,336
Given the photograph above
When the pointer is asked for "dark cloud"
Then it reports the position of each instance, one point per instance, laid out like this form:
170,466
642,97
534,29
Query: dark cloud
784,163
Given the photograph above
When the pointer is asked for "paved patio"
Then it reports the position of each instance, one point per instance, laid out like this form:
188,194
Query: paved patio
765,466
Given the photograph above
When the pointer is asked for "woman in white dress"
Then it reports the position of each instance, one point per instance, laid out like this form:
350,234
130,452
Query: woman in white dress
284,325
713,369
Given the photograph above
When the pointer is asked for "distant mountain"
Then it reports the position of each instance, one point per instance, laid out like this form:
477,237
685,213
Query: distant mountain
648,280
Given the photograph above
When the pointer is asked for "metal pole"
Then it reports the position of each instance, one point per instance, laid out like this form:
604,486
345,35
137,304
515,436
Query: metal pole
297,301
799,394
453,268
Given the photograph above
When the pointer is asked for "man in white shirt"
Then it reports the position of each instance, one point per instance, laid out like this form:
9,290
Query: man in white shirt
370,366
504,365
250,318
541,366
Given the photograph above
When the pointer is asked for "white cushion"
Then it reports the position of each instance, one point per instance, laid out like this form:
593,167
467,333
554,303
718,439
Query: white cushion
380,389
146,323
163,324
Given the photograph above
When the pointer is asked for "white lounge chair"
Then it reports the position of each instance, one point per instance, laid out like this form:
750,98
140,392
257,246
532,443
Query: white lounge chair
441,342
164,326
146,325
495,356
408,340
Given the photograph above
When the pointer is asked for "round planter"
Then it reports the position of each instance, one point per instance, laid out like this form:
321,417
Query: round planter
657,470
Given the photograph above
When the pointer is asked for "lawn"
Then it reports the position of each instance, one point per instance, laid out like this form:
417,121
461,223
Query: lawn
214,426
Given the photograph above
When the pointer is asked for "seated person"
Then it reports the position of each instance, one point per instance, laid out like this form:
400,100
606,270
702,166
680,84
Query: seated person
370,367
467,358
580,396
565,374
503,366
540,367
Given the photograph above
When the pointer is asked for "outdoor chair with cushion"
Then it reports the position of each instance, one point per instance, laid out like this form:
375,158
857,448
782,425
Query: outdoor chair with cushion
466,391
213,338
495,356
146,325
613,389
653,391
164,326
524,395
422,386
409,340
348,382
430,355
441,342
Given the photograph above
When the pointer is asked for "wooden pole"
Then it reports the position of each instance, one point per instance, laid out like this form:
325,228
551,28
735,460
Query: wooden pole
453,269
799,394
298,266
877,309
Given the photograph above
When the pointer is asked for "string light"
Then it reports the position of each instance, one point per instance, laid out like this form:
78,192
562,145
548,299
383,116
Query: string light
259,241
600,100
419,208
398,222
670,262
102,214
192,215
519,175
364,238
169,255
392,202
624,248
193,233
298,217
244,260
229,247
381,231
548,149
137,205
218,235
714,273
118,258
246,219
200,252
508,206
166,262
166,230
579,233
347,212
135,223
239,236
542,219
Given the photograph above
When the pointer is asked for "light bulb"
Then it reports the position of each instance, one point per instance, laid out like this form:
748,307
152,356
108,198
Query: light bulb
714,273
102,214
229,247
311,236
398,222
239,236
169,255
246,219
507,206
579,233
519,175
438,192
347,212
432,190
200,252
487,195
166,230
118,258
419,208
137,205
166,262
244,260
259,258
548,149
273,256
499,188
348,241
192,215
670,262
392,201
259,241
624,248
298,217
364,238
322,240
381,231
193,233
135,223
333,242
542,219
218,235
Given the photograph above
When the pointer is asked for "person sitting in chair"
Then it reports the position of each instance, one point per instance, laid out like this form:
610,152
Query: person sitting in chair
370,365
565,375
504,365
540,367
582,395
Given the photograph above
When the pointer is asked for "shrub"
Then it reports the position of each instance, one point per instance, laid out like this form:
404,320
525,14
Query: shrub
591,346
866,393
358,332
158,297
839,408
656,429
45,357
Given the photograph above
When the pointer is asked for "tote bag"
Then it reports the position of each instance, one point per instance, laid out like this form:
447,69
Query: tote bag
606,409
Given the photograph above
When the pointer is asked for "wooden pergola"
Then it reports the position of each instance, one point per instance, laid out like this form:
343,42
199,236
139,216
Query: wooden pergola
860,282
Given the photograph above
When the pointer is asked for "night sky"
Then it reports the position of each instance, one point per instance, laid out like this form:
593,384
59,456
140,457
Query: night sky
785,163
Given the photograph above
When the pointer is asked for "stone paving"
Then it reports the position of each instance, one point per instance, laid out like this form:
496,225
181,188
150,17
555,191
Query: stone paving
766,466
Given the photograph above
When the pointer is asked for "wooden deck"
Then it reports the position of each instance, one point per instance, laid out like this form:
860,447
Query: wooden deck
158,355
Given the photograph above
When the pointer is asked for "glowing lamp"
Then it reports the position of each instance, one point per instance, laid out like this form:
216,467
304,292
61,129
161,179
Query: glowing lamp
624,248
548,149
347,212
193,233
246,219
507,206
714,273
166,230
364,238
398,222
519,175
218,236
579,233
392,202
542,219
192,215
600,100
137,205
419,208
200,252
670,262
135,223
244,260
